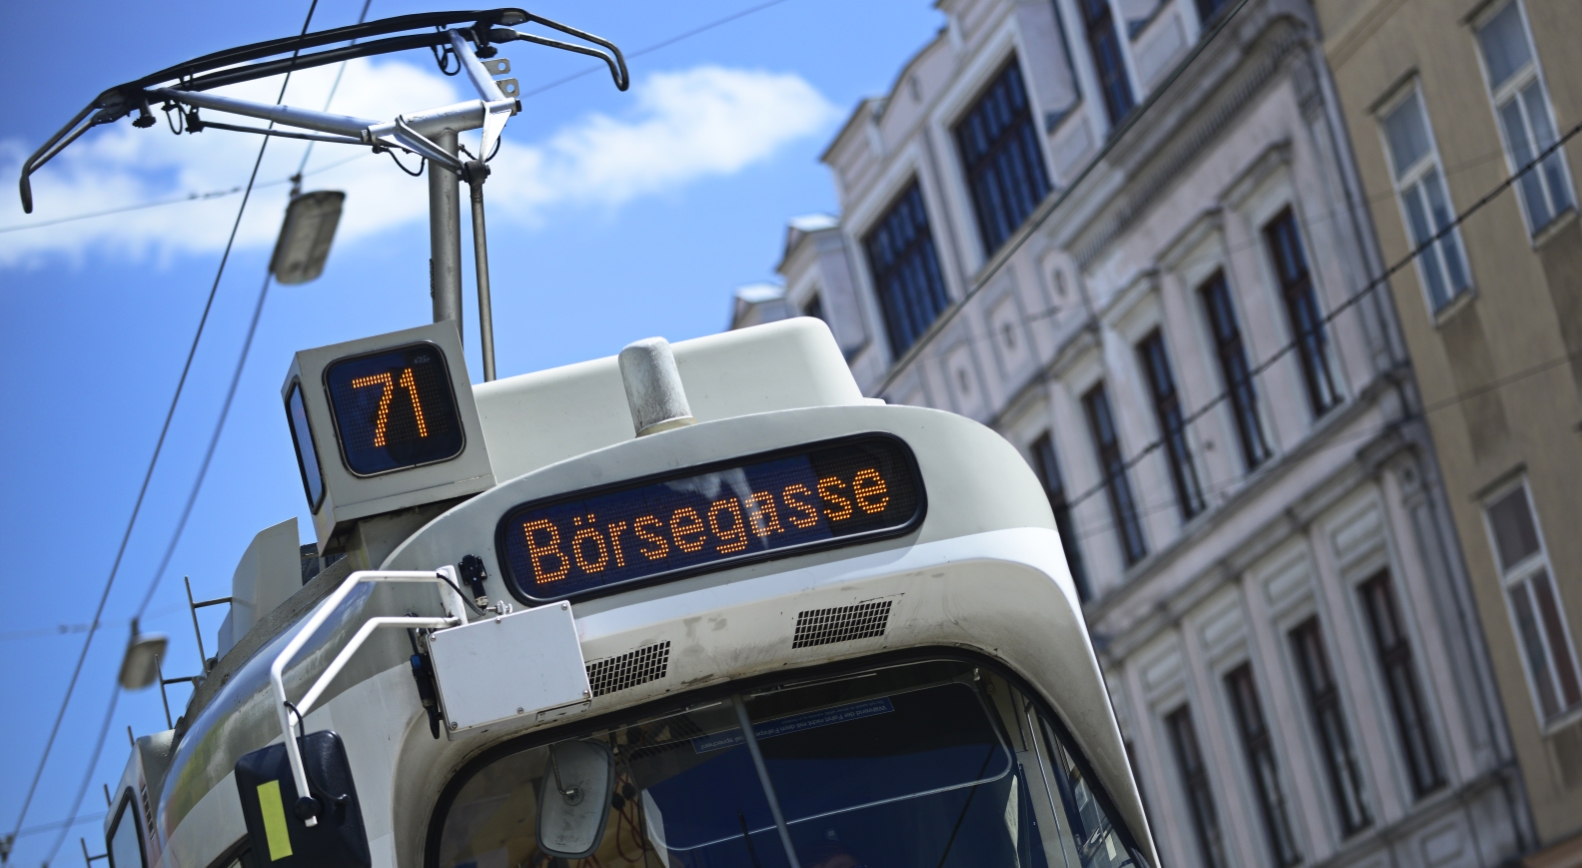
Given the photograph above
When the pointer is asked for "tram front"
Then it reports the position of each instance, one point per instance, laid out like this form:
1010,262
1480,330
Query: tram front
819,631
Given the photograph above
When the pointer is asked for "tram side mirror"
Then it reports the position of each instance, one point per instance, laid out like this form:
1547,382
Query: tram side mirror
280,837
574,802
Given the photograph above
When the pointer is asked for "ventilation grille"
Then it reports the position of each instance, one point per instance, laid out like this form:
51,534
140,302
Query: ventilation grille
841,624
648,663
148,810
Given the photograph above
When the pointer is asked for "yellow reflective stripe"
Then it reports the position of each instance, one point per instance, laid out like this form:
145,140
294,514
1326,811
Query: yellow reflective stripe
274,812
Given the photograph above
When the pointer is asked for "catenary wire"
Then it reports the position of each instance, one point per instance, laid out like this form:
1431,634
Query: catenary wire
334,86
663,43
221,193
1350,301
177,200
165,428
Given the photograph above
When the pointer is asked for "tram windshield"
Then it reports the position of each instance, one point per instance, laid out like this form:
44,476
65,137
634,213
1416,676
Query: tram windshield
925,765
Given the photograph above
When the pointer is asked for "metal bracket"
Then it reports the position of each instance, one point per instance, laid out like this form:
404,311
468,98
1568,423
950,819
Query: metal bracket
445,576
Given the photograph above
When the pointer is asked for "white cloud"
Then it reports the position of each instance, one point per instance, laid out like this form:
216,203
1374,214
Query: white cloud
681,127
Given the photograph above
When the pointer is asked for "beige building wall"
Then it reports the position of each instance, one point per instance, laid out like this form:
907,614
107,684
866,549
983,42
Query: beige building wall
1499,364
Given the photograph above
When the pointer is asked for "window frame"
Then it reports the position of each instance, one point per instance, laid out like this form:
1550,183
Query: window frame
1518,574
976,171
1046,462
1318,700
1091,25
1274,808
1380,585
127,809
1319,378
1197,786
1175,436
1246,421
1127,517
892,319
1512,90
1413,179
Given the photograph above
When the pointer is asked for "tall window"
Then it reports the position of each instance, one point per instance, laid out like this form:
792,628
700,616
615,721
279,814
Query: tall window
1329,726
1232,354
814,306
1395,658
1301,306
1123,507
1525,119
1055,487
1194,778
906,272
1258,746
1539,617
1001,156
1208,10
1425,203
1172,427
1104,43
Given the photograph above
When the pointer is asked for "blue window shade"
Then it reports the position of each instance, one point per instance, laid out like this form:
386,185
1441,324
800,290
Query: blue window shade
906,274
1104,43
999,151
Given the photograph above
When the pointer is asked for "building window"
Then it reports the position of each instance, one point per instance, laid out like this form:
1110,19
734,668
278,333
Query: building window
1208,10
1536,610
1301,306
906,272
1123,507
1233,367
1425,203
1098,21
1522,105
1329,726
1055,487
1172,425
1258,746
1001,157
1395,658
814,306
1194,777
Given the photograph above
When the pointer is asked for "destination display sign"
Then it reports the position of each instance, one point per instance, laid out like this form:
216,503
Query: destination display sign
708,518
394,409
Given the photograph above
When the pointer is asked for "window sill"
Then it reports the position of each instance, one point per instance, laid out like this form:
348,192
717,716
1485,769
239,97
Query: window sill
1565,719
1554,227
1461,302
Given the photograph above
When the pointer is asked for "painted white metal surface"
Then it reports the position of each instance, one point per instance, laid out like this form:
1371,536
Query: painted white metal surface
522,664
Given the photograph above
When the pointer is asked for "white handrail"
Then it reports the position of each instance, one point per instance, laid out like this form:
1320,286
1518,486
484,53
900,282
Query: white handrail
445,576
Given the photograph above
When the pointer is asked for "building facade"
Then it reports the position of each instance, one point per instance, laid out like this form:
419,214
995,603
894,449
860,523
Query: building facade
1445,100
1127,235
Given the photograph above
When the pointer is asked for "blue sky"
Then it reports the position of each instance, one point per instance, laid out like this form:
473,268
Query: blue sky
613,217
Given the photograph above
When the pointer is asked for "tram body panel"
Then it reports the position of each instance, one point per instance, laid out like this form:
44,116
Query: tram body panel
982,571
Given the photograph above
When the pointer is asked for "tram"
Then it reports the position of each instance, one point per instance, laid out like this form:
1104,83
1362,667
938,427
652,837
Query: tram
696,605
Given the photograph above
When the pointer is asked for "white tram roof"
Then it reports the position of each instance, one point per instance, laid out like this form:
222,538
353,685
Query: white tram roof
534,420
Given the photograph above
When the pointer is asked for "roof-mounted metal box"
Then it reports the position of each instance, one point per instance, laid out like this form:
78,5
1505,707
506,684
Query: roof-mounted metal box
384,423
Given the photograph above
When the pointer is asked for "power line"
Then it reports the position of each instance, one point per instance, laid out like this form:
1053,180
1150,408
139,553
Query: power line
190,197
1349,302
143,490
663,43
215,194
50,827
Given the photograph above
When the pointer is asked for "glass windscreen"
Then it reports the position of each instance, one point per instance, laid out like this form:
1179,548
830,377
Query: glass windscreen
925,765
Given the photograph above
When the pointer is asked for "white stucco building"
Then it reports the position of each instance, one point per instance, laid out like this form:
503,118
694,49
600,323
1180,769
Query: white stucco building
1144,266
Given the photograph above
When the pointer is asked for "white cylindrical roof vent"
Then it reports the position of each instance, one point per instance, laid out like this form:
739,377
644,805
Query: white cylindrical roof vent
653,387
